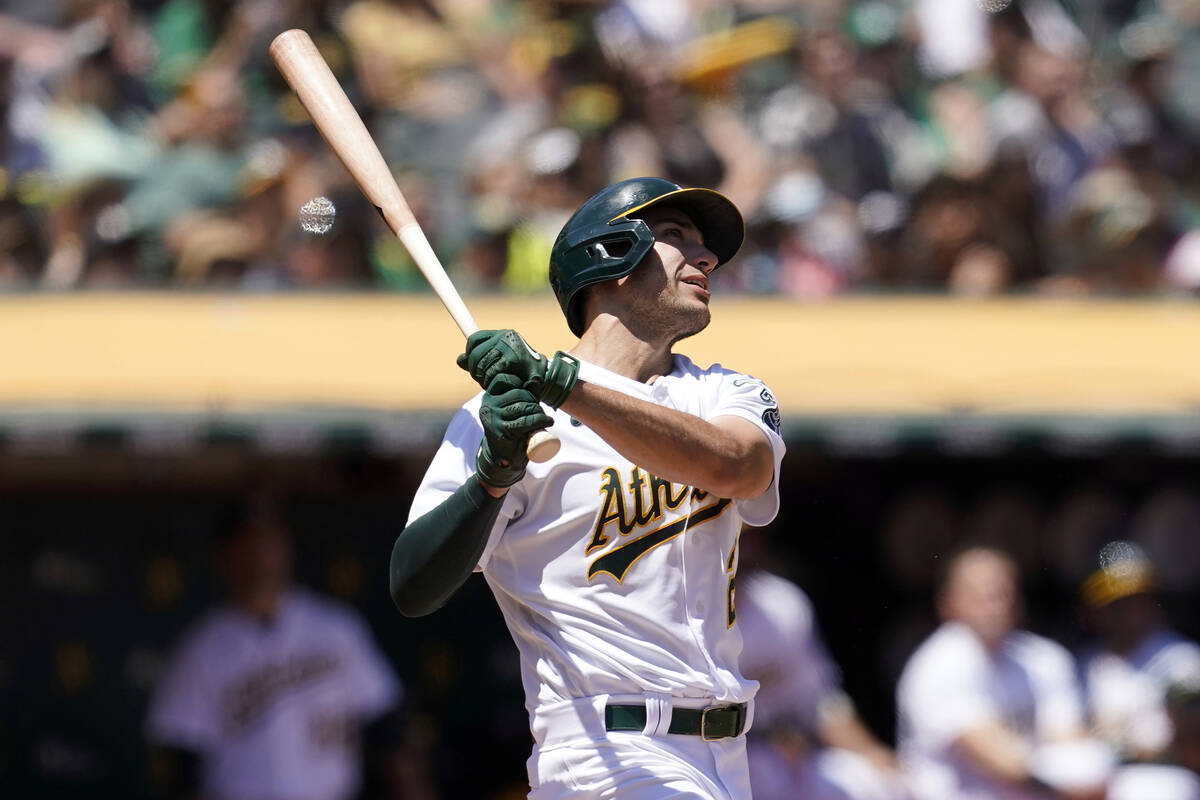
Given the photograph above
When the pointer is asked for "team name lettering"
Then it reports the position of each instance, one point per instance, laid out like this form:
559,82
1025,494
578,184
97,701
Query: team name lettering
649,498
246,700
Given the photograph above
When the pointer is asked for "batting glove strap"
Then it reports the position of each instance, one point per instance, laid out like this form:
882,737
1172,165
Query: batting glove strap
495,471
561,376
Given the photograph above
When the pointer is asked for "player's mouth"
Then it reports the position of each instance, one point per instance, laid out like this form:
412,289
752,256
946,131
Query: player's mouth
700,282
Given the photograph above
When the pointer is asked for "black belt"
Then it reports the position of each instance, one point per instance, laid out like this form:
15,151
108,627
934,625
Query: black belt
714,722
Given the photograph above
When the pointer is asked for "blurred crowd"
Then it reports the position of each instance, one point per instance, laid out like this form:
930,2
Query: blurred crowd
1048,146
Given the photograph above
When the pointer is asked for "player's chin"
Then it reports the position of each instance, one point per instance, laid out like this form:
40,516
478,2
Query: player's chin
694,318
699,306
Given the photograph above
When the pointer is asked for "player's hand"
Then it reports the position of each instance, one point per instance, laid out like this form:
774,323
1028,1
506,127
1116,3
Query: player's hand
492,353
508,420
502,359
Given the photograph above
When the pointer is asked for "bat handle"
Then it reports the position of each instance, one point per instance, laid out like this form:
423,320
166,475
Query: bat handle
542,445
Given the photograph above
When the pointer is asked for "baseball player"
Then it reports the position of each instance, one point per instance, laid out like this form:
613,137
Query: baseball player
277,694
614,562
1136,657
988,711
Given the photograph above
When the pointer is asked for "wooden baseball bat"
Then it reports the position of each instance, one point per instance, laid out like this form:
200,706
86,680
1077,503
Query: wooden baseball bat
343,130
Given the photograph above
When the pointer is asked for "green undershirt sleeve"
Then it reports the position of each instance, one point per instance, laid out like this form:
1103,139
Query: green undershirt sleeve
437,552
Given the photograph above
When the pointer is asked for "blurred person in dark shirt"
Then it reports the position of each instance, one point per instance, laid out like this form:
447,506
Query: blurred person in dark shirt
947,243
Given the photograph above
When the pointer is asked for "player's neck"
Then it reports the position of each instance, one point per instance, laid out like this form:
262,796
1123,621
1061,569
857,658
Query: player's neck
608,343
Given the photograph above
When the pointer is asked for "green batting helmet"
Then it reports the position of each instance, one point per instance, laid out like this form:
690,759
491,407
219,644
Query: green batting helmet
600,242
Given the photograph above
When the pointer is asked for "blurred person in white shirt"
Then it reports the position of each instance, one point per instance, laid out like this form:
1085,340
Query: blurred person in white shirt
987,711
279,693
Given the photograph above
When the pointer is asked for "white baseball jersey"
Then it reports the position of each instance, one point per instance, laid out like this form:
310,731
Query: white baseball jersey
274,709
614,582
1125,694
1158,781
951,684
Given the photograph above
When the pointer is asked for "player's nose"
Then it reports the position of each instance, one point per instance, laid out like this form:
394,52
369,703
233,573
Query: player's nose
703,259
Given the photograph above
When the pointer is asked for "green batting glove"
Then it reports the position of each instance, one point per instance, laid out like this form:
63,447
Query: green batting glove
508,420
504,355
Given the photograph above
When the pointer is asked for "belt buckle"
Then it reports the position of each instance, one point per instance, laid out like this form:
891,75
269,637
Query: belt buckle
704,722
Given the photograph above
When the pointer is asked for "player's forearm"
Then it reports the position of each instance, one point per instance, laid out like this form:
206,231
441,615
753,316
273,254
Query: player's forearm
997,751
845,730
674,445
437,552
